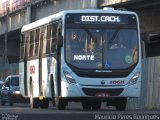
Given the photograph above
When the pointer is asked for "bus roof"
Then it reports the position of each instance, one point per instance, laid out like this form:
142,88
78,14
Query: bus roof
59,15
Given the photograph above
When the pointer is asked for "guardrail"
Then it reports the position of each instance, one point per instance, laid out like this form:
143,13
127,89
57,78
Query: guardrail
150,89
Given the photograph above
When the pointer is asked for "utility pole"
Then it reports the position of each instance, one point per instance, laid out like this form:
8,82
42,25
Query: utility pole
6,39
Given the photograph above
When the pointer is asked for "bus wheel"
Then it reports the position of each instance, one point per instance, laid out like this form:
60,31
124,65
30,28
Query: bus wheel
34,102
60,103
44,104
121,103
96,105
86,105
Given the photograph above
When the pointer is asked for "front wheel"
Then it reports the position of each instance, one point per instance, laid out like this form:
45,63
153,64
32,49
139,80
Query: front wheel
10,101
60,103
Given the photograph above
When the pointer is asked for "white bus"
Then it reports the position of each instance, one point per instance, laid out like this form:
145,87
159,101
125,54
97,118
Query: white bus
88,56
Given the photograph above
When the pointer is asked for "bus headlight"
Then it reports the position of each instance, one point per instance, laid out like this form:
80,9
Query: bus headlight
134,79
69,78
16,92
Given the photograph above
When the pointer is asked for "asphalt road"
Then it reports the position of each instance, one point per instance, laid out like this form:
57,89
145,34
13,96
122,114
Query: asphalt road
74,112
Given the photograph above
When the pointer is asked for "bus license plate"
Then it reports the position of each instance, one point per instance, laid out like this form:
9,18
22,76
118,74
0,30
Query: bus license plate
102,95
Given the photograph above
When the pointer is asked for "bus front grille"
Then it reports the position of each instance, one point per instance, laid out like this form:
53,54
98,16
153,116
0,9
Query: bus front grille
110,92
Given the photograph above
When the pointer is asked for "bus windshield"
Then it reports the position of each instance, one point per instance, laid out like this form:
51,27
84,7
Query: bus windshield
15,81
101,48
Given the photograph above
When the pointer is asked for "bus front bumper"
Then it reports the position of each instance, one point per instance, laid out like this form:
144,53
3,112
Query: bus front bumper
76,90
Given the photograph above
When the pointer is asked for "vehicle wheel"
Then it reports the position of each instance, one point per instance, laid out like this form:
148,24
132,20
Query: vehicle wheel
10,101
121,103
34,102
44,103
96,105
60,104
86,105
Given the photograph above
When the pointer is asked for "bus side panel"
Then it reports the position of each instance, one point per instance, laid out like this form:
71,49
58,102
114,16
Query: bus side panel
48,67
21,78
33,74
46,78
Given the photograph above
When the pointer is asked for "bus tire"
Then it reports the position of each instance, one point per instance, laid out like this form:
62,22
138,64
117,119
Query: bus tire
10,101
121,103
34,102
44,103
60,103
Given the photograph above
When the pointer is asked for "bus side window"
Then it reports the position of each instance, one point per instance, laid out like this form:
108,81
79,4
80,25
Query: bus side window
31,48
44,39
26,49
22,47
37,37
48,38
54,37
6,84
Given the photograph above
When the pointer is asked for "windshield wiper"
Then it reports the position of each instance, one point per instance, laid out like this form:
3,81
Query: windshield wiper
114,36
90,34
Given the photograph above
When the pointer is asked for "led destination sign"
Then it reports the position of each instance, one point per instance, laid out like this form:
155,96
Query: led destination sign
100,19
